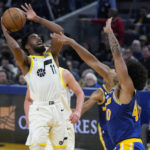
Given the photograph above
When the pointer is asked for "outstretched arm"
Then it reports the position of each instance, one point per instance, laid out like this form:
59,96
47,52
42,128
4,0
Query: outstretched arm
75,87
102,69
22,60
121,68
32,16
96,97
53,27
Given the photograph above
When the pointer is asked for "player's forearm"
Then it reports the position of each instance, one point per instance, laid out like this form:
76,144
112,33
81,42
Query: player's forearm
85,108
83,53
87,105
80,101
49,24
114,45
26,109
12,44
90,59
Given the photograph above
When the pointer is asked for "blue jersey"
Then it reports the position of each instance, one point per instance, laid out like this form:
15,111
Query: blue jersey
102,128
122,120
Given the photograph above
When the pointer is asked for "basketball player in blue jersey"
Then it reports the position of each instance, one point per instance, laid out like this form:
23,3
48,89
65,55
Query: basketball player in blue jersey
109,75
43,78
123,124
99,97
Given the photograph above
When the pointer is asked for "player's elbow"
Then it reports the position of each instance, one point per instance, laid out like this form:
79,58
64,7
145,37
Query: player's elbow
81,93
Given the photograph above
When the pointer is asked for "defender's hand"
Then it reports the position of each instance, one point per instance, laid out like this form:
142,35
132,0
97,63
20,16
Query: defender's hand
107,28
29,12
61,38
75,116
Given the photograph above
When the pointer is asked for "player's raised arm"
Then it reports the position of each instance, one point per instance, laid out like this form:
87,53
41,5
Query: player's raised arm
75,87
32,16
22,60
53,27
85,55
121,68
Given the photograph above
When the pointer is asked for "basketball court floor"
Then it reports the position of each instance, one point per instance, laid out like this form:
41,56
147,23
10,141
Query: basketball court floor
12,146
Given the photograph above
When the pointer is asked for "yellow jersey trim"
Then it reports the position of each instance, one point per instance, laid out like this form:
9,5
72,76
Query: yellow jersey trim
115,99
105,88
42,56
37,56
103,100
31,65
42,144
101,137
63,146
50,54
132,140
61,77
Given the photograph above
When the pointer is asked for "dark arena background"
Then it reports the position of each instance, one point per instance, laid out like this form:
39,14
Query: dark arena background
82,20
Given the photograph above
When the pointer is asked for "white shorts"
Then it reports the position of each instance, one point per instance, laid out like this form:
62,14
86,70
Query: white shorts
71,138
47,122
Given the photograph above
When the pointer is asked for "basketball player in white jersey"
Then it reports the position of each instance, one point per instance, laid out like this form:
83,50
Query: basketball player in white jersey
67,82
43,78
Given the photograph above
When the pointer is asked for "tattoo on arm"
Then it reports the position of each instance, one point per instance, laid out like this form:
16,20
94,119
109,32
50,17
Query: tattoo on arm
114,44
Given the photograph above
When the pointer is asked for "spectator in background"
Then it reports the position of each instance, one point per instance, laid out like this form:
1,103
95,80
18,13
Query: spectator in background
71,69
127,54
117,23
91,80
83,75
145,60
136,49
3,77
10,69
143,39
21,80
142,21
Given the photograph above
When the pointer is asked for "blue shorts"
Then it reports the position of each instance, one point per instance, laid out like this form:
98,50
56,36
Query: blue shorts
130,144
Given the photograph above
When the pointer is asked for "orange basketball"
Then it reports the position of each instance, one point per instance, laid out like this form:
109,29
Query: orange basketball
14,19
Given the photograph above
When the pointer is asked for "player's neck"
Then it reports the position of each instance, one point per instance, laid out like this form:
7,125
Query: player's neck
36,54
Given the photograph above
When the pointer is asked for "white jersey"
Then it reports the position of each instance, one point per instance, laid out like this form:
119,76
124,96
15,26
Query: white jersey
65,95
43,79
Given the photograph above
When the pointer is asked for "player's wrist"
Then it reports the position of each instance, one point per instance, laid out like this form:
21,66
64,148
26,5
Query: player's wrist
71,42
78,111
37,19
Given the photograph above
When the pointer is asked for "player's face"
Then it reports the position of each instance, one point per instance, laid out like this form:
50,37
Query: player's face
36,43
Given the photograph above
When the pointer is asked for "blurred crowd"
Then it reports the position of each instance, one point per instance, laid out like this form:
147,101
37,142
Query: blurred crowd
133,37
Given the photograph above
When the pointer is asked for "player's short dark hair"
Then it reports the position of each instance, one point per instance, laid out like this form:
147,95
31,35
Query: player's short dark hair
24,40
137,72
